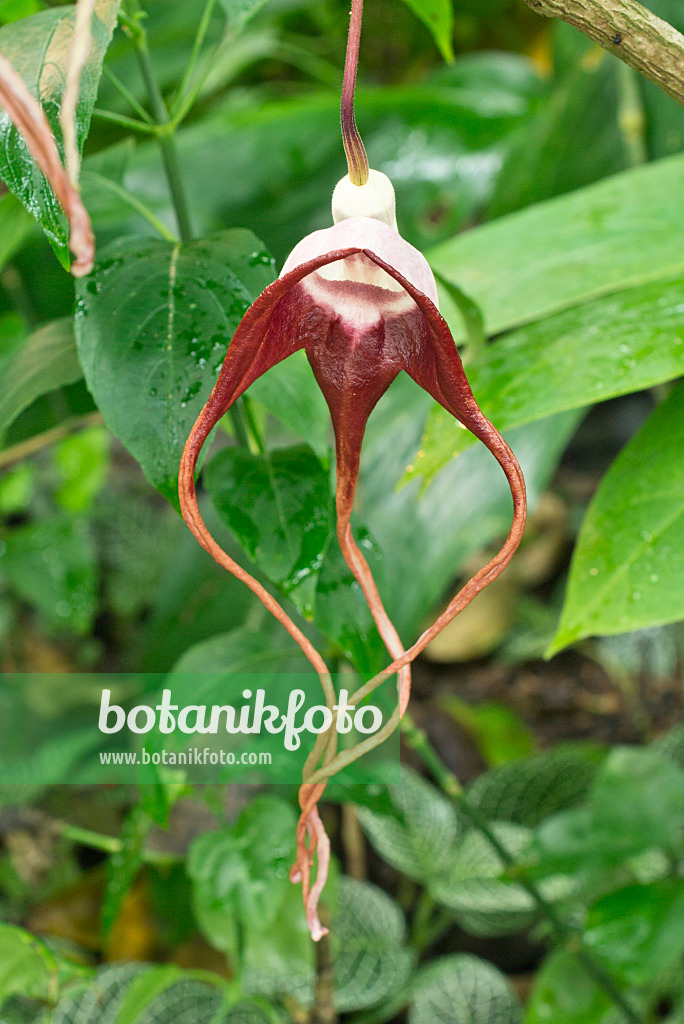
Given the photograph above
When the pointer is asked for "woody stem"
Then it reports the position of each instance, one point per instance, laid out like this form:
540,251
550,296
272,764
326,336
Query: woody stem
357,161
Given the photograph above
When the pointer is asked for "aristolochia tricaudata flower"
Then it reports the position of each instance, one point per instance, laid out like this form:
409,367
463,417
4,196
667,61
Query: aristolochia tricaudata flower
362,303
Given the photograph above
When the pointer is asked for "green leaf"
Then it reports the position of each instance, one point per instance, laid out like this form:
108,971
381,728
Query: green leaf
124,865
636,804
15,227
153,322
26,966
500,734
612,346
290,393
563,991
278,506
52,565
46,361
639,930
483,903
239,873
369,930
628,563
38,47
241,650
419,839
528,790
463,990
570,250
438,15
82,461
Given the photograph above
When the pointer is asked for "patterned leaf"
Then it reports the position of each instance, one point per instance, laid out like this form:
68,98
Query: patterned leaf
463,990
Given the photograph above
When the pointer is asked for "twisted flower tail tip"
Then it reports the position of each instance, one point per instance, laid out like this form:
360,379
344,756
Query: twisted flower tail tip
28,117
362,303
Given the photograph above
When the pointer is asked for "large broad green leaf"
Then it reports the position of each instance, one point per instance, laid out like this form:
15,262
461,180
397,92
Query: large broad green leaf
46,361
628,564
278,506
639,930
438,15
39,47
612,346
463,990
153,324
571,249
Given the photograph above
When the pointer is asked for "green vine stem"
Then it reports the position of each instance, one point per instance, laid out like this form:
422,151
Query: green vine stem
565,934
164,131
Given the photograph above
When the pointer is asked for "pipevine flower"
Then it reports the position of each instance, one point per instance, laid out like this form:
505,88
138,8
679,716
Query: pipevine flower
362,303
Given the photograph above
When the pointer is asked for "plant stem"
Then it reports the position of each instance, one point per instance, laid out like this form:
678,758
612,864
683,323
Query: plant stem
626,28
125,122
48,437
186,98
418,741
109,844
164,131
127,95
131,200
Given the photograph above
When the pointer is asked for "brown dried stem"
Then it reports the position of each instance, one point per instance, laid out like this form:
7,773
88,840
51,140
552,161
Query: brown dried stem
627,29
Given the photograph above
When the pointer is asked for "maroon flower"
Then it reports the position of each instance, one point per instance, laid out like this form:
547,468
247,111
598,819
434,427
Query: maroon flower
362,303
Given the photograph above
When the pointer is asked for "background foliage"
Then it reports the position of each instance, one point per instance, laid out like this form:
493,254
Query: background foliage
543,179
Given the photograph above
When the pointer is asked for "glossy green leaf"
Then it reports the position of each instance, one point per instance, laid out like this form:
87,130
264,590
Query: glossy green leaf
46,361
611,346
563,991
39,47
438,15
463,990
153,324
639,930
571,249
628,564
278,506
51,564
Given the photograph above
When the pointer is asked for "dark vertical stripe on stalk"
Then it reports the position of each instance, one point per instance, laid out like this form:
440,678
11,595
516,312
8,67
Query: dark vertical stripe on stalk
353,146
